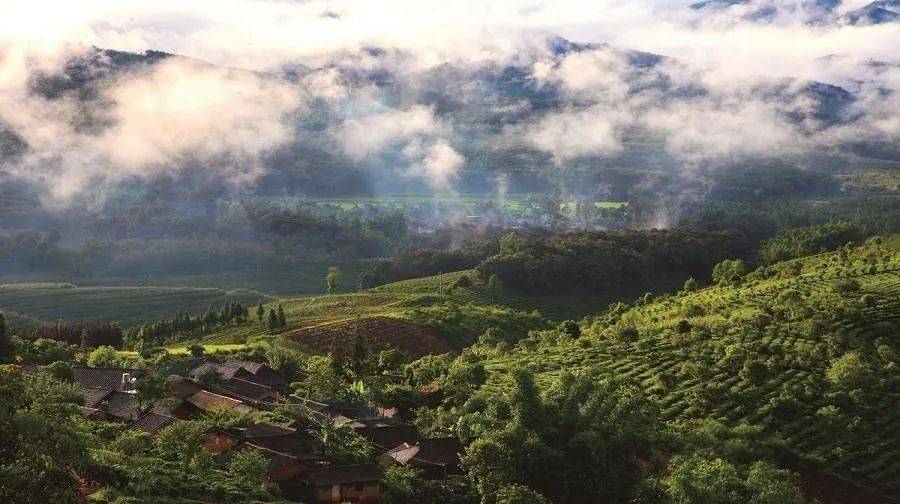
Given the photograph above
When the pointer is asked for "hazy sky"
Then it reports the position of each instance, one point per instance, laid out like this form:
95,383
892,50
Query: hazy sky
261,33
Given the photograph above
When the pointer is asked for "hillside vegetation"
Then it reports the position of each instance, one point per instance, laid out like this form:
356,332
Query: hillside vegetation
47,303
807,350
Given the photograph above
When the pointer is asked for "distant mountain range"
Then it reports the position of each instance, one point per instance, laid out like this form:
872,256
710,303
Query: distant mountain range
816,11
487,111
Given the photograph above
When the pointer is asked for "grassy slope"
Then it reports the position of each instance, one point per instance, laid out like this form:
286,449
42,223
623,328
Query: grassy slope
422,301
554,307
868,454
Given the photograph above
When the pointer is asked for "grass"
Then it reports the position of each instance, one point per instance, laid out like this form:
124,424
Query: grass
554,306
122,305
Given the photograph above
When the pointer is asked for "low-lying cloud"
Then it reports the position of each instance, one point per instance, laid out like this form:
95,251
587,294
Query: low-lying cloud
156,120
401,79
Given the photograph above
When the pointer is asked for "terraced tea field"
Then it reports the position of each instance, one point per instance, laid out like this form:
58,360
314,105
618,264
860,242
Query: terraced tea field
378,332
689,374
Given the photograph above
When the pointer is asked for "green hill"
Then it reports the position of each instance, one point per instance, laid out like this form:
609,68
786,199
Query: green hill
807,349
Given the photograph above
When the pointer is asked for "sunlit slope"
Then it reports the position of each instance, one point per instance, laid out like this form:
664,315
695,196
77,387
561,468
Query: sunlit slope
439,288
694,353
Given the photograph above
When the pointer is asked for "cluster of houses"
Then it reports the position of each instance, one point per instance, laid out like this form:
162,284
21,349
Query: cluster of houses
294,451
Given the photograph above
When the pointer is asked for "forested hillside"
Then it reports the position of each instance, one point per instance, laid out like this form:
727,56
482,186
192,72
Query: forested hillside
801,354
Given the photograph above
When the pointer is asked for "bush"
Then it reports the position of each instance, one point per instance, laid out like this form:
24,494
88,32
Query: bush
463,282
850,371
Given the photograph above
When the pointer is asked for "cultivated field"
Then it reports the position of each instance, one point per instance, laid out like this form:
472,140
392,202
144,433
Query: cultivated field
378,332
36,304
689,376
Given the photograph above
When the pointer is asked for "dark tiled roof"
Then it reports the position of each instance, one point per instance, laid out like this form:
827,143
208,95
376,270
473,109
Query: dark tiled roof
104,378
442,451
251,367
94,396
121,405
390,437
184,389
206,400
263,429
245,389
297,444
151,422
92,413
227,372
114,403
338,475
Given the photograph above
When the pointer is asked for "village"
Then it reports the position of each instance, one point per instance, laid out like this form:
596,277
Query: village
294,452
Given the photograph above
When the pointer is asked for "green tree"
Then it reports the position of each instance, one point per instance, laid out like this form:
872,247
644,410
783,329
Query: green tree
196,351
518,494
62,371
321,382
39,446
333,279
6,346
282,320
391,359
260,311
181,442
849,371
690,285
104,356
359,355
754,372
712,481
463,282
285,361
272,321
770,485
402,485
151,387
248,467
729,272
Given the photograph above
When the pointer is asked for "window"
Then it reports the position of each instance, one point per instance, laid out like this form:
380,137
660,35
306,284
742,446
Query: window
358,487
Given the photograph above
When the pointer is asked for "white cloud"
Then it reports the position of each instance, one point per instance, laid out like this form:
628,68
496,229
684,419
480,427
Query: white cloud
158,120
361,136
595,131
439,165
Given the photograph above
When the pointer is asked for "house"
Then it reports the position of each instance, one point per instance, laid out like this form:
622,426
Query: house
360,483
204,401
247,391
118,379
355,416
152,422
114,405
288,450
438,457
388,437
260,374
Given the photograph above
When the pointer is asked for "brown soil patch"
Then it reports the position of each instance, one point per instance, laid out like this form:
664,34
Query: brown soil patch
379,332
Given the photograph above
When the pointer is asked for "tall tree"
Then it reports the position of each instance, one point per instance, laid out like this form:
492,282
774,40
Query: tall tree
272,321
282,320
260,311
6,347
333,279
